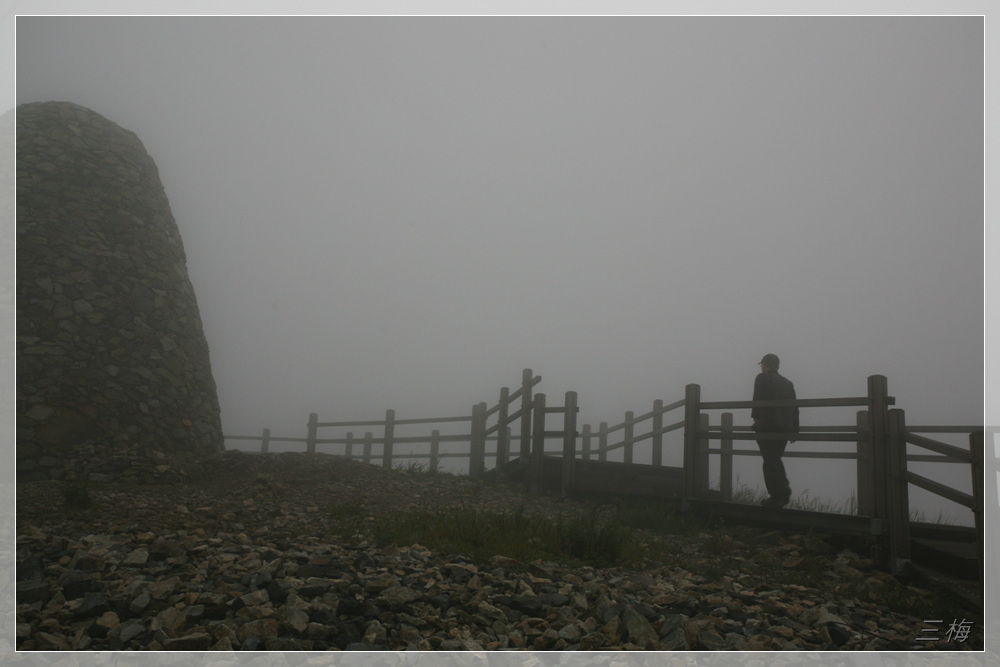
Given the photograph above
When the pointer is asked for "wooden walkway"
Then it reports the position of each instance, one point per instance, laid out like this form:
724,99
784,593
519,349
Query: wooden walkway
935,549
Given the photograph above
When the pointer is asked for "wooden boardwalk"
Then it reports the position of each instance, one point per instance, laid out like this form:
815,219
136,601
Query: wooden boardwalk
936,548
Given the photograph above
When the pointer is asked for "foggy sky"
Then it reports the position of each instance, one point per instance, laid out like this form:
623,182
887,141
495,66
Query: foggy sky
406,212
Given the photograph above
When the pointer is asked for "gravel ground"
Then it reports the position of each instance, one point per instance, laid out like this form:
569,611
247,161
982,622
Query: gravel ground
251,557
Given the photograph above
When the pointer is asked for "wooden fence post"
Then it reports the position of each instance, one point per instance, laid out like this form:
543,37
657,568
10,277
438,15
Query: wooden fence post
866,492
657,437
311,433
349,446
692,408
585,439
526,421
477,444
629,431
878,401
503,433
726,458
503,446
702,488
435,445
265,441
569,443
390,428
368,448
976,445
537,444
602,444
898,492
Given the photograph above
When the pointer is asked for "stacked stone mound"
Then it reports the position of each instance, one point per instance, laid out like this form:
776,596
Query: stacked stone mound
113,374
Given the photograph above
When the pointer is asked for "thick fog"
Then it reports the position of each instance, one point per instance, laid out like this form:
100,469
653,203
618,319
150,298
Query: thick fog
406,212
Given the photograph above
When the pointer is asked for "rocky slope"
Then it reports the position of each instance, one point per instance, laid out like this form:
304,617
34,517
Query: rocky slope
252,557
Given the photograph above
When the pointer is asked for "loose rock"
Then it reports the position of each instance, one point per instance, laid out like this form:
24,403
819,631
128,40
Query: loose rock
232,575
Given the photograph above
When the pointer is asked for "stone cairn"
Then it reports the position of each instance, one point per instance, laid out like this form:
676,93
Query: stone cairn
113,374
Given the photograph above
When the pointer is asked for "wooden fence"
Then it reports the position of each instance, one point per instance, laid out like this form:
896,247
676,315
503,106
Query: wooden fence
881,438
478,435
879,435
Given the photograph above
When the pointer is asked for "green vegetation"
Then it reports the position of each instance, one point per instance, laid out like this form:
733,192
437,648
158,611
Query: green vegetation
752,495
411,468
747,495
614,534
895,595
643,535
480,534
76,495
417,468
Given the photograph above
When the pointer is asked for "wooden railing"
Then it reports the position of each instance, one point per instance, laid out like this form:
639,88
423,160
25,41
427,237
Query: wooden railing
540,433
879,435
478,435
629,439
265,440
900,478
698,432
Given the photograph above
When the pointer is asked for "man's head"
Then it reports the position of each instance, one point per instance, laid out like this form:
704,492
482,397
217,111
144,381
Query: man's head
769,362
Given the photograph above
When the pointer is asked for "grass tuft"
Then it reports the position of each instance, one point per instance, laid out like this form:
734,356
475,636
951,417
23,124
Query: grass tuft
76,495
481,534
411,468
645,534
748,495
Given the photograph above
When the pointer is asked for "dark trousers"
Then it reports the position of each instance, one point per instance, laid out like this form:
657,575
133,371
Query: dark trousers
774,470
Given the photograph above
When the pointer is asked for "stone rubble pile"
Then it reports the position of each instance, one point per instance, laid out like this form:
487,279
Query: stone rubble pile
156,568
263,591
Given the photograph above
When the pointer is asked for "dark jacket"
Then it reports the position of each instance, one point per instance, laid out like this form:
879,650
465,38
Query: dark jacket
770,386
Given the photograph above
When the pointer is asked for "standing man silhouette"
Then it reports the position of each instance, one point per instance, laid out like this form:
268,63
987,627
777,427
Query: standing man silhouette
770,386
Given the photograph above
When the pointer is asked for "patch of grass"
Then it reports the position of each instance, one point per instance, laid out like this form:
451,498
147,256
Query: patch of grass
76,495
417,468
411,468
615,534
747,495
752,495
593,541
349,520
637,533
348,511
917,515
660,517
892,593
481,534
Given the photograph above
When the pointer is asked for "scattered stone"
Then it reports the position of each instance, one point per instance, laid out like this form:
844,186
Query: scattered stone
33,591
223,577
137,557
639,630
396,596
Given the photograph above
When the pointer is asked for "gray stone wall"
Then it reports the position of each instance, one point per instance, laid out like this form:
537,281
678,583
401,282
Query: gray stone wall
113,372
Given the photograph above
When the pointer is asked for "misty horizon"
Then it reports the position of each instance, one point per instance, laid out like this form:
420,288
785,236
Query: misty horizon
403,213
